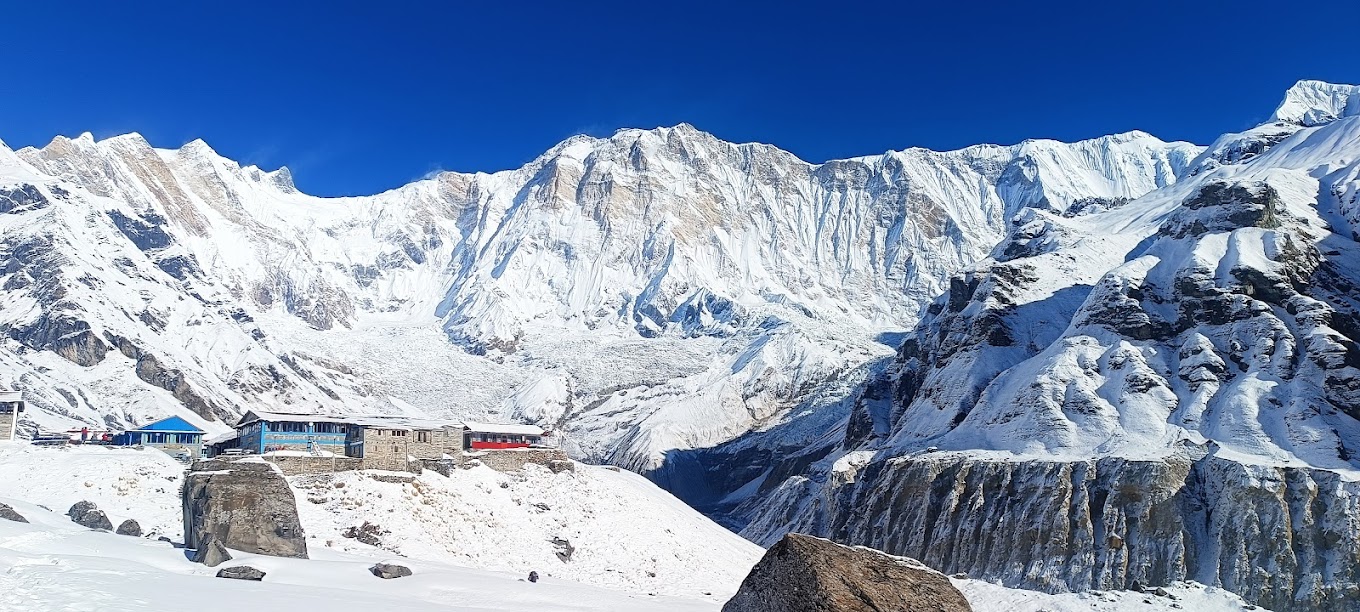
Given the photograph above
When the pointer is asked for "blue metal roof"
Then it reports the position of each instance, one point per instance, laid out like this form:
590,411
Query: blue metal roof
171,425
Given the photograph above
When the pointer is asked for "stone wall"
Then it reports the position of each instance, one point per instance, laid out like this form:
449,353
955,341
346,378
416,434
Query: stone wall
434,444
387,449
6,422
514,459
293,466
392,449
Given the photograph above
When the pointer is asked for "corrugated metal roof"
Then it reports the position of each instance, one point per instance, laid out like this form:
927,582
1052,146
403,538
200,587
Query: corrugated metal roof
384,421
504,428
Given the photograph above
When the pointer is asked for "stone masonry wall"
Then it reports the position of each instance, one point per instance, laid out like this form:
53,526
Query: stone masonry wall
514,459
293,466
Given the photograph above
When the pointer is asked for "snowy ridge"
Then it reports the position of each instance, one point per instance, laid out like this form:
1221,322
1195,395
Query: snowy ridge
654,290
1313,103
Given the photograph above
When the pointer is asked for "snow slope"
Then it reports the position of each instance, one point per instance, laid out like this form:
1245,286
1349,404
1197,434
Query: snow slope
468,540
53,564
624,532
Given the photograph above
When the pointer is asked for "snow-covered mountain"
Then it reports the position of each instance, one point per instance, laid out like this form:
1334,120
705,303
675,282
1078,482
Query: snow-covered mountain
1162,390
1061,366
651,291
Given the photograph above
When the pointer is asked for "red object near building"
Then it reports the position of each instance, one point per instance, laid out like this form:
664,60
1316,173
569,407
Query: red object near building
496,436
477,445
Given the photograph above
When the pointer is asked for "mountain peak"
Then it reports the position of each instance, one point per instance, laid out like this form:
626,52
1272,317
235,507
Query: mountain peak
1310,103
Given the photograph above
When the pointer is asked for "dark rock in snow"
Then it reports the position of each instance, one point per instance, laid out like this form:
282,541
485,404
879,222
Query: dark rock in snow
87,515
211,552
246,504
563,549
806,574
533,576
368,533
130,528
241,572
9,514
388,571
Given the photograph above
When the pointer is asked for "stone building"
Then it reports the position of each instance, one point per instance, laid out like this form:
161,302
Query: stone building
11,407
403,444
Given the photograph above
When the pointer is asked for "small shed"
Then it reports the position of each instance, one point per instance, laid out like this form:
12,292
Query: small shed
484,436
174,435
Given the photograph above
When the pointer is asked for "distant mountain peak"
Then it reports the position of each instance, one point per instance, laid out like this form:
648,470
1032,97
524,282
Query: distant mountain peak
1311,103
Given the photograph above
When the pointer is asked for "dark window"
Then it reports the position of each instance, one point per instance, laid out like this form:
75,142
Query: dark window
422,436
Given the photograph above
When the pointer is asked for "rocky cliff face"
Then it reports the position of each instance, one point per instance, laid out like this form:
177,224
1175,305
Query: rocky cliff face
1161,389
1282,537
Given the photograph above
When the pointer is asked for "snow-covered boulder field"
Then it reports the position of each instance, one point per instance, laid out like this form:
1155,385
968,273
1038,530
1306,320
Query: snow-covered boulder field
124,483
594,525
470,540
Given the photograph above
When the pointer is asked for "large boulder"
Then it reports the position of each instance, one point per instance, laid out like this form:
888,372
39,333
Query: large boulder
211,552
129,528
86,514
9,514
245,504
806,574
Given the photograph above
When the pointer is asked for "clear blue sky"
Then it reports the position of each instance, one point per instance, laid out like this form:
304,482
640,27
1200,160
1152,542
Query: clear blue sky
361,97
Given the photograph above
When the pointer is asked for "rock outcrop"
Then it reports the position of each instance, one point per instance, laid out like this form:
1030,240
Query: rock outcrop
806,574
245,504
9,514
129,528
241,572
86,514
1282,538
388,571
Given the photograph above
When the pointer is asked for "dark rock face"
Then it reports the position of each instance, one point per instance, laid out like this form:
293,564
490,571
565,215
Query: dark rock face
130,528
211,552
807,574
1283,538
247,505
241,572
86,514
147,233
1220,207
388,571
21,199
151,370
9,514
64,335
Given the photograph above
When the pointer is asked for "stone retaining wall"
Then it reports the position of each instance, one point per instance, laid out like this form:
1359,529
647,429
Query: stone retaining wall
293,466
514,459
